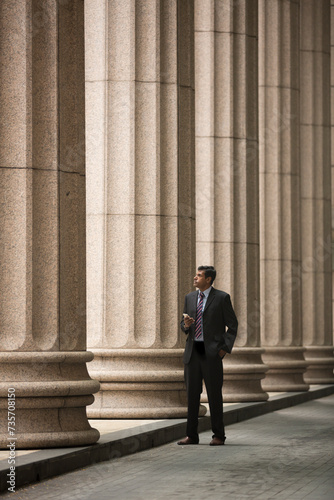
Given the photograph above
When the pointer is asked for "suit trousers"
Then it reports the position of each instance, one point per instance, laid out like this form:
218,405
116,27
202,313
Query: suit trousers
201,367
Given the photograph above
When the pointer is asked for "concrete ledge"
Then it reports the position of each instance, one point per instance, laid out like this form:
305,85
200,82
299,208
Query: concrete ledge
38,465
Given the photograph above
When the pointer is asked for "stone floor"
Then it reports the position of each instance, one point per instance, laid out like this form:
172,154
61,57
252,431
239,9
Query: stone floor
284,455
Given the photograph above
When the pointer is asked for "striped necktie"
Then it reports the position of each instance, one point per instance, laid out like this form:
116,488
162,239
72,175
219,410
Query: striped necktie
198,325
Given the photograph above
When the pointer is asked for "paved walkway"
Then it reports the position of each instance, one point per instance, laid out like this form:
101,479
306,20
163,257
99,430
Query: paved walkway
285,455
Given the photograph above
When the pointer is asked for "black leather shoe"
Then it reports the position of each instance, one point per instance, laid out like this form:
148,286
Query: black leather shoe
187,440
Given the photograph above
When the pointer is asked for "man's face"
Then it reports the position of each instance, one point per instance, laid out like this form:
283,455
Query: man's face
200,281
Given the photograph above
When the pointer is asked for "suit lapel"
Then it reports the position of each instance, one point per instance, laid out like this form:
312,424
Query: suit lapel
193,305
209,299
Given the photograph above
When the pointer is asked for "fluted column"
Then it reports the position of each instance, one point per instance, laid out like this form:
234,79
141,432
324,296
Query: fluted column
227,214
140,160
42,226
316,190
332,144
281,321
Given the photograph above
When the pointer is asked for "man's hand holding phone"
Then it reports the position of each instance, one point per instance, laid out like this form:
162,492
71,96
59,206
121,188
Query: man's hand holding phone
188,320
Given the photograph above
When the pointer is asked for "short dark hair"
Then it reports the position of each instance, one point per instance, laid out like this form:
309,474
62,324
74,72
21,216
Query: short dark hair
210,272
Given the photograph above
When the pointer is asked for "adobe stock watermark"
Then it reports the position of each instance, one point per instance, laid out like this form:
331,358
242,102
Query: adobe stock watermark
293,281
11,481
44,13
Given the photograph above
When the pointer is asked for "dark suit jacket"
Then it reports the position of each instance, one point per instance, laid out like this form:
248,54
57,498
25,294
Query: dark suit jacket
219,323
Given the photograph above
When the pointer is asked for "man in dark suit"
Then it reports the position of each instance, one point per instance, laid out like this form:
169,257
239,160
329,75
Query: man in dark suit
211,325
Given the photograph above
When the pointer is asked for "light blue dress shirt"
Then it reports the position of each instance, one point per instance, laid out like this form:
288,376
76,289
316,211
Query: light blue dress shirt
206,294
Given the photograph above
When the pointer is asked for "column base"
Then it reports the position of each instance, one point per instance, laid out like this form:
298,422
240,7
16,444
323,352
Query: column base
320,361
286,368
243,372
45,394
139,383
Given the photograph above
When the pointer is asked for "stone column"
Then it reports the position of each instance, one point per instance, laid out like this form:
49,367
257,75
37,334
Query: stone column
281,321
316,190
332,144
227,193
140,197
42,226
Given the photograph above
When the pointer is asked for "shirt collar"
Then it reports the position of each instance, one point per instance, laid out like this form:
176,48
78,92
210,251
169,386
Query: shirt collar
206,292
